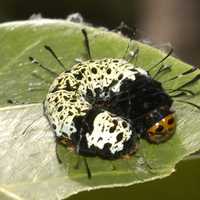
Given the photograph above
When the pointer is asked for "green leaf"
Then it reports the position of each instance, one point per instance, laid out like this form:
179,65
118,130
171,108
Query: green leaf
29,168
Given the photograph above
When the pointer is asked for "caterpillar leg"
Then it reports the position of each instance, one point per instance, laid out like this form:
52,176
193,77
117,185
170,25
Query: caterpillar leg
57,155
89,174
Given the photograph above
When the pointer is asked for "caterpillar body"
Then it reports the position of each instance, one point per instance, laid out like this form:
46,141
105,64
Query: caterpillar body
102,107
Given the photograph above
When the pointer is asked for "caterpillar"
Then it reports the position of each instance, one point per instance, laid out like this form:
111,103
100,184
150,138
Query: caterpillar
102,107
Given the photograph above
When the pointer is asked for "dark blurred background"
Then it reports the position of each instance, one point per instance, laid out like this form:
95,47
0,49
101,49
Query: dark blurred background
158,21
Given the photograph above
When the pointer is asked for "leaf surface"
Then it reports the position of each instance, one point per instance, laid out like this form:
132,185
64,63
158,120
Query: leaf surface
28,165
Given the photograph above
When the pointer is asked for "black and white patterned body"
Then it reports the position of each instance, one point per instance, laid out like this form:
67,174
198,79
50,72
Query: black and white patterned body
99,106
